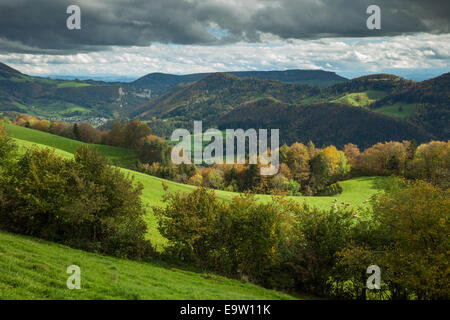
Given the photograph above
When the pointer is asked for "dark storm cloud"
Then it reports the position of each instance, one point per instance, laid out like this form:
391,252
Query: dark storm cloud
39,26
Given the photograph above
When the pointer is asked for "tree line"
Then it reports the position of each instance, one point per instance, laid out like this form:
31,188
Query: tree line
81,202
304,169
134,135
88,204
290,246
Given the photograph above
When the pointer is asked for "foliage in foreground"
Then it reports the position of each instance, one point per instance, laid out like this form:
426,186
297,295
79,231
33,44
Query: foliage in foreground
84,203
286,245
35,269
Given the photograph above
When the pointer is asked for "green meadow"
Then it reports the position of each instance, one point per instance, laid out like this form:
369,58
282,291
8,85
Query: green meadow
398,110
35,269
356,191
361,99
119,156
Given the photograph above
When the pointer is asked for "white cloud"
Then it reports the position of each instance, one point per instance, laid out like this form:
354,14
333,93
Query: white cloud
417,52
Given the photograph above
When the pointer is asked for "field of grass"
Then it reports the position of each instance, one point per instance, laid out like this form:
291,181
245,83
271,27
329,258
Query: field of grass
361,99
47,109
59,108
35,269
356,191
122,156
72,84
398,110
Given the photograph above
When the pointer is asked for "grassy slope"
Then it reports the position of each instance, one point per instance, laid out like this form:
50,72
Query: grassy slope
365,98
35,269
361,99
125,157
398,110
356,191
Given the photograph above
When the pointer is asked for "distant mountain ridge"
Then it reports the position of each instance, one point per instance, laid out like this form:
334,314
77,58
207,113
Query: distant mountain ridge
217,94
161,82
6,70
226,101
72,99
364,110
323,123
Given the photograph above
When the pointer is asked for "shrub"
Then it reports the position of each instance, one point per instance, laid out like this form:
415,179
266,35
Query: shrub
416,257
238,239
335,188
83,203
8,151
188,221
318,237
407,236
216,179
294,188
251,237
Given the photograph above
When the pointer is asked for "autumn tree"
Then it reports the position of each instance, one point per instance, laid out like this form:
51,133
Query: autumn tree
87,133
134,134
114,136
298,159
155,149
332,158
432,163
352,153
416,257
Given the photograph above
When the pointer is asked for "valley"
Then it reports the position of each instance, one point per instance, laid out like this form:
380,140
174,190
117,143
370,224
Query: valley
330,193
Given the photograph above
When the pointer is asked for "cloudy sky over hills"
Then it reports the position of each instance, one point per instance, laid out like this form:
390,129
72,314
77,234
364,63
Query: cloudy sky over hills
135,37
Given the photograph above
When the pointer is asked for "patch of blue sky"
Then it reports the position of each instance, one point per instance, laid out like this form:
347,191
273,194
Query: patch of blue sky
217,32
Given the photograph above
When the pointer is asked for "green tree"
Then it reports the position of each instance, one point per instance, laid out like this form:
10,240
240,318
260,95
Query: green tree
84,203
416,256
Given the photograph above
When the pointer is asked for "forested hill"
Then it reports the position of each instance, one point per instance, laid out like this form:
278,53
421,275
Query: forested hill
323,123
63,99
430,104
217,94
6,71
78,100
339,114
160,82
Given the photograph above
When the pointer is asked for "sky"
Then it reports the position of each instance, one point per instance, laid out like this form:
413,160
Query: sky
130,38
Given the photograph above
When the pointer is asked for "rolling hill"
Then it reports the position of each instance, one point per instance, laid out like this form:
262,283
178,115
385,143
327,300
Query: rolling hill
322,123
62,99
36,269
31,268
119,156
425,103
356,191
160,82
226,101
217,94
75,100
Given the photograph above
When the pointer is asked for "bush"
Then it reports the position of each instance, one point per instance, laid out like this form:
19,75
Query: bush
318,237
239,239
83,203
7,152
215,179
416,257
334,189
188,222
294,188
407,236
